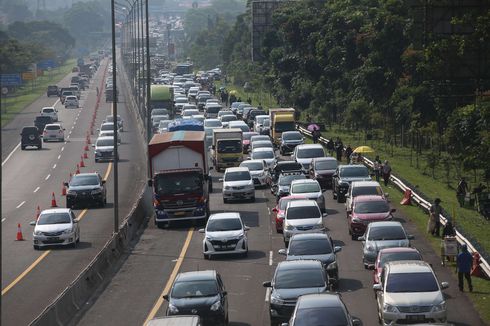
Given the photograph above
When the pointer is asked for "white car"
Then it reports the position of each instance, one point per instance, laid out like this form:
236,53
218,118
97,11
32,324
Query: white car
198,117
261,144
225,119
212,123
302,216
310,189
267,154
160,112
190,112
303,154
238,184
54,131
189,107
259,137
258,171
225,233
106,126
120,121
50,111
71,101
211,110
163,126
56,226
225,112
104,149
239,124
110,133
259,122
409,292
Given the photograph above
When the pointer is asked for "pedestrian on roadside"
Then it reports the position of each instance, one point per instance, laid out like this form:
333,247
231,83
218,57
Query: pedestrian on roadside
461,191
434,223
330,147
464,262
249,100
260,106
386,170
239,99
339,148
315,135
377,167
348,153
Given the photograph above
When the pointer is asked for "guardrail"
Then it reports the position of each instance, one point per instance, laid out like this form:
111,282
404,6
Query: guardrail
421,202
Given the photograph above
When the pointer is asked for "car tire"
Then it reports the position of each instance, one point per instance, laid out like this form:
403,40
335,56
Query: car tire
206,257
334,194
163,225
353,236
40,147
74,244
36,247
96,161
339,200
22,148
245,254
69,204
62,139
225,201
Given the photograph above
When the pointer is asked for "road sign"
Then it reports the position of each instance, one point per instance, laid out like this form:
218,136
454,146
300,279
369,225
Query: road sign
10,80
5,90
27,75
45,64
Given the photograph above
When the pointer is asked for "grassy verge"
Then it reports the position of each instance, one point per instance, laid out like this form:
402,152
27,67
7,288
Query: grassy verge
264,98
28,93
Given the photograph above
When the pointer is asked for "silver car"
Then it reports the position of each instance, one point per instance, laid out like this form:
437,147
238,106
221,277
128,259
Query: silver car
54,131
56,226
71,101
310,189
225,233
302,216
265,153
104,149
258,170
238,184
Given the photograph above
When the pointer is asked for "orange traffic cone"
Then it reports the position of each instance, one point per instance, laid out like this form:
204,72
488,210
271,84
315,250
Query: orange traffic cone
53,201
85,148
85,155
19,234
63,190
82,163
38,212
78,169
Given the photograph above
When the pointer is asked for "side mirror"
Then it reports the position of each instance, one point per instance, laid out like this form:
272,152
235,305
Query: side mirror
267,284
284,324
444,285
220,179
98,129
103,182
201,231
324,214
393,210
410,237
356,321
93,145
370,266
377,287
246,228
165,297
33,223
337,249
363,238
349,211
211,168
150,183
248,158
282,252
75,221
225,293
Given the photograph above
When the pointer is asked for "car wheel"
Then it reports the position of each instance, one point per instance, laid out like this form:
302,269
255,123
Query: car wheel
62,139
69,204
22,147
206,256
36,247
353,236
96,161
40,147
163,225
339,200
225,200
74,244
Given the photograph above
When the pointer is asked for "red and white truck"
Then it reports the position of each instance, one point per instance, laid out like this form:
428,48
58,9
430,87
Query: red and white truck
180,176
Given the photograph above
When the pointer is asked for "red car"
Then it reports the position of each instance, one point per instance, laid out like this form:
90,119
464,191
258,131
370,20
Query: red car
367,209
278,211
392,254
246,140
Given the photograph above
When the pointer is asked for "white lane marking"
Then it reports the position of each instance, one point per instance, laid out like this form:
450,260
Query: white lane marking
63,148
37,189
54,166
269,210
11,153
59,156
47,177
270,258
267,294
65,143
69,134
3,219
20,205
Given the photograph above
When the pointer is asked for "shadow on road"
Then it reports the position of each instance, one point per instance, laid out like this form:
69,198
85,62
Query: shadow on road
349,284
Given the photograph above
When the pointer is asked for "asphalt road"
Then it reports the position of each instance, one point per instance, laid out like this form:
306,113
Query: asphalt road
131,294
33,279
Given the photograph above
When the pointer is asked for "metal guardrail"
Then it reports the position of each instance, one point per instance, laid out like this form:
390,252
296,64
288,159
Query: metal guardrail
424,204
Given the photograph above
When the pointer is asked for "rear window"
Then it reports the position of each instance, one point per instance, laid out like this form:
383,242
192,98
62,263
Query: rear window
53,128
237,176
213,109
321,316
305,188
310,153
357,171
310,247
299,278
300,212
43,119
387,233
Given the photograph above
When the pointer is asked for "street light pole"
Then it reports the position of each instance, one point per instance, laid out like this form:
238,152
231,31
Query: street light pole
114,118
148,81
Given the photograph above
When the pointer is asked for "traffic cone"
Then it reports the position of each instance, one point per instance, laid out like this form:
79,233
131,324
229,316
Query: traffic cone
19,234
71,175
85,148
38,212
53,201
63,190
85,155
82,163
78,169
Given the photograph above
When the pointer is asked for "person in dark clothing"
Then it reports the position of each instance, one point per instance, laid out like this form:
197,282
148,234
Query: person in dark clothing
249,100
232,99
339,148
260,106
448,230
239,99
348,153
464,262
330,147
434,223
386,170
461,191
377,167
316,135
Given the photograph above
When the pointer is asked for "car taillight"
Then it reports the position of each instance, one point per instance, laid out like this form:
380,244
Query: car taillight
201,199
156,202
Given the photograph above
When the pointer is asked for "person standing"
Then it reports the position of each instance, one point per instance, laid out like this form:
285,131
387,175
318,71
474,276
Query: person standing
330,147
464,262
461,191
348,153
434,223
377,167
386,169
315,134
339,148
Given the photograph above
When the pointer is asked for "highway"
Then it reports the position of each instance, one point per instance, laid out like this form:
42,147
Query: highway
32,279
133,295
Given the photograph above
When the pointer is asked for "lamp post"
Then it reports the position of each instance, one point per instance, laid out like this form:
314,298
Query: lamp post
114,118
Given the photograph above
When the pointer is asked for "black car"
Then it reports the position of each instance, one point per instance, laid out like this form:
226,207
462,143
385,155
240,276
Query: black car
30,136
281,188
52,90
291,280
322,309
41,121
322,170
317,246
199,293
343,177
252,114
283,166
289,140
85,189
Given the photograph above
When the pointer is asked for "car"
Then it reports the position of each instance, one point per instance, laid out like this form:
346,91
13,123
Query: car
225,233
30,136
246,112
212,123
343,177
49,111
303,154
199,293
284,166
175,320
155,121
258,170
241,109
41,121
409,292
189,106
267,154
246,136
201,100
291,280
238,124
367,209
310,189
302,216
360,188
120,121
64,92
55,226
380,235
104,149
225,119
179,102
224,112
76,90
110,133
106,126
392,254
322,309
278,211
281,188
252,114
316,246
261,144
257,137
198,117
234,106
266,127
238,184
289,141
259,122
322,170
52,90
84,189
190,112
54,131
212,109
71,101
160,112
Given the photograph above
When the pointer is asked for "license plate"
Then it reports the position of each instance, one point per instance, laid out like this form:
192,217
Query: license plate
179,213
416,317
53,238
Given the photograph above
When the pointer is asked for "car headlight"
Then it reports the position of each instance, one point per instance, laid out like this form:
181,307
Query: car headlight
389,308
38,233
276,300
67,231
356,220
318,226
289,227
332,266
370,248
172,309
95,191
227,187
215,306
439,307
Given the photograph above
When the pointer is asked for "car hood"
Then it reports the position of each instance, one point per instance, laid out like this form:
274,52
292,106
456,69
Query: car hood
221,235
238,183
195,303
292,294
81,188
104,148
53,227
305,221
381,244
414,298
304,160
325,259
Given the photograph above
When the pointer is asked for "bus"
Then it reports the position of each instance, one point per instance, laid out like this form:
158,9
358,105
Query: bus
184,68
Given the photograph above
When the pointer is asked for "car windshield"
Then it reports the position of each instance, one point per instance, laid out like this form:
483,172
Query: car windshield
188,113
48,110
194,289
326,165
285,180
411,282
227,118
301,188
292,136
263,155
299,278
285,126
229,146
310,247
237,176
262,144
53,128
178,183
310,153
248,135
267,123
224,224
54,218
104,142
253,166
301,212
213,109
371,190
84,180
322,316
283,202
386,233
401,255
107,126
258,138
181,100
212,123
357,171
370,207
159,112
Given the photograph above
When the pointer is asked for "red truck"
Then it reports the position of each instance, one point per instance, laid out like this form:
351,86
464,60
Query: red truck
180,176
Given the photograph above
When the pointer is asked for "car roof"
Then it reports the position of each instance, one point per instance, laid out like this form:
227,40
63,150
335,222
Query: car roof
227,215
408,266
196,276
48,107
302,146
365,198
384,223
55,210
302,203
238,122
319,300
304,181
53,124
299,264
87,173
263,149
365,184
261,141
237,169
355,166
310,236
324,158
253,161
398,249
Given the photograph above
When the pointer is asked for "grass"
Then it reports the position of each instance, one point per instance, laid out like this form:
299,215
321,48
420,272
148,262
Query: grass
28,93
264,98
